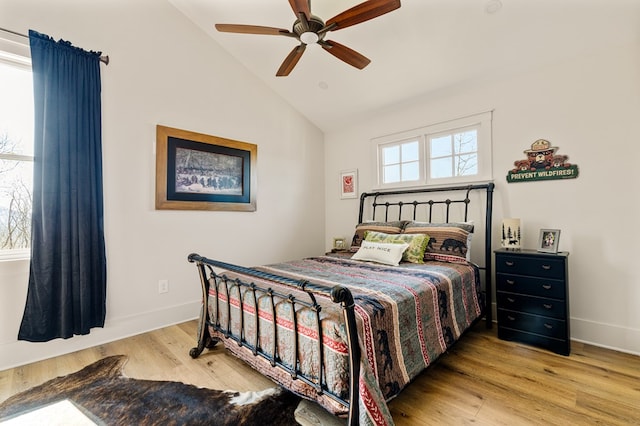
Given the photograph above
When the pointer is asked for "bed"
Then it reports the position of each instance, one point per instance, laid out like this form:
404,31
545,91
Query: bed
351,334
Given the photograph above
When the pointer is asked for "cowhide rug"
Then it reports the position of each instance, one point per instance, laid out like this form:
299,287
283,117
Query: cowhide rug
103,391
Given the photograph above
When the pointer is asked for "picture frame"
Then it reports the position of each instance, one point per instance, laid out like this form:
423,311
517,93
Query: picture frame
339,243
549,240
349,184
195,171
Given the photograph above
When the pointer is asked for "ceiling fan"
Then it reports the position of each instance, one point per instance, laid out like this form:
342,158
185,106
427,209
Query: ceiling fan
309,29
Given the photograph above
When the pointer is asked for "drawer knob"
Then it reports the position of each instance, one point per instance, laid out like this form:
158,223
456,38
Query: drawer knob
548,326
510,299
511,282
546,286
509,263
546,267
511,318
547,306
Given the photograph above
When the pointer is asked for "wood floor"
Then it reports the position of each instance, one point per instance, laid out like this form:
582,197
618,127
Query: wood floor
481,381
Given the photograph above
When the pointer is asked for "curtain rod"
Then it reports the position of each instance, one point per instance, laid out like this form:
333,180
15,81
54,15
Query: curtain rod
104,58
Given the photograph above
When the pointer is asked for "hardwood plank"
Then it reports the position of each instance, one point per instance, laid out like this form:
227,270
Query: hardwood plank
481,381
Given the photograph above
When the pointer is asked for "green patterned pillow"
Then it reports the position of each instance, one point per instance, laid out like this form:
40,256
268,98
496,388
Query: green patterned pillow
417,243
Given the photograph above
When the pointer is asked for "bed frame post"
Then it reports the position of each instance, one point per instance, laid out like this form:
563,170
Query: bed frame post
343,296
488,256
204,338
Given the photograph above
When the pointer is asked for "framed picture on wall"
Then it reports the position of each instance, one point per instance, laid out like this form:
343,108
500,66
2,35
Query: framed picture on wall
195,171
349,184
549,240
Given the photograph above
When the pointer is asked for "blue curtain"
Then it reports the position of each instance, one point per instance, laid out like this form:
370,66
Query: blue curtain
67,278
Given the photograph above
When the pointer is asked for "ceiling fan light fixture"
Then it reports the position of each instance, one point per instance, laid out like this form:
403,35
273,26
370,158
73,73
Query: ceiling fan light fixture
310,29
309,37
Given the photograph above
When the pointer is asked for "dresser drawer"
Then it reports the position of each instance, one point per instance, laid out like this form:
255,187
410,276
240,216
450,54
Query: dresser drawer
538,266
560,346
554,289
532,305
544,326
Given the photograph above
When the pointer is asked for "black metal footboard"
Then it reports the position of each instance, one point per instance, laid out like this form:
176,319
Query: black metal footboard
338,294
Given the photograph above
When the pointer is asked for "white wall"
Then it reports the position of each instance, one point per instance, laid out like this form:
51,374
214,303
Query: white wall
588,106
165,71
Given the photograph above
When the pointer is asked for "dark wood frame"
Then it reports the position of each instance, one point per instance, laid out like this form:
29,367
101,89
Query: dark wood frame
338,294
169,140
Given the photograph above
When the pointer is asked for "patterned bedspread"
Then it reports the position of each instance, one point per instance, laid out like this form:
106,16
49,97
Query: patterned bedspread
407,316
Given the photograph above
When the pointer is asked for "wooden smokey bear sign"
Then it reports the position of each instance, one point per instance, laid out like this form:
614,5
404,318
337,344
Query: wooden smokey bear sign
542,163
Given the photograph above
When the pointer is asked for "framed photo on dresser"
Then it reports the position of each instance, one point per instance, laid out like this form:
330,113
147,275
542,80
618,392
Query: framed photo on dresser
549,240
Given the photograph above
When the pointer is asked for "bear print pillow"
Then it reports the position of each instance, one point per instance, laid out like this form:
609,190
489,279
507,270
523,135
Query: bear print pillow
448,242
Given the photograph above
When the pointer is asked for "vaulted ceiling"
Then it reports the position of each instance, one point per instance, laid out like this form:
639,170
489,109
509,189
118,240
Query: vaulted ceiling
425,46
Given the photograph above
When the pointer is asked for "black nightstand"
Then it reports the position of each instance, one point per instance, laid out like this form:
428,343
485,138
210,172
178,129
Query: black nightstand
532,297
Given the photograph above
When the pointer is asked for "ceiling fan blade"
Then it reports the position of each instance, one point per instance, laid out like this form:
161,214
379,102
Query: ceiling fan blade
300,6
291,60
345,54
362,12
252,29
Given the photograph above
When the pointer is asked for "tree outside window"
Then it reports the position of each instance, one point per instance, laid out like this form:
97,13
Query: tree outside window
454,154
16,156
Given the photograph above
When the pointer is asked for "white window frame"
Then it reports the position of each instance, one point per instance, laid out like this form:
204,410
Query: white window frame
399,143
481,121
15,51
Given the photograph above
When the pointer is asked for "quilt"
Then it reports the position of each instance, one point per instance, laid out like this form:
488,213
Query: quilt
407,316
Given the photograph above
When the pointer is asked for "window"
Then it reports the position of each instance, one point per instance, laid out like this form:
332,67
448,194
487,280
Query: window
401,161
16,148
451,152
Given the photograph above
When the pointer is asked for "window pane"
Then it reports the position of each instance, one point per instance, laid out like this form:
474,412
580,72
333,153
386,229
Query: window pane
410,171
466,142
16,174
441,146
441,168
410,151
391,155
16,110
391,174
15,203
467,165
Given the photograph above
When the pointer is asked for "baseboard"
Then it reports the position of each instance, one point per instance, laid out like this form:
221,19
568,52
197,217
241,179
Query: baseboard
622,339
15,354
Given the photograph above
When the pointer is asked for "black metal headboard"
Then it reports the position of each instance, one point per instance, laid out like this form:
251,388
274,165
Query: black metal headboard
382,204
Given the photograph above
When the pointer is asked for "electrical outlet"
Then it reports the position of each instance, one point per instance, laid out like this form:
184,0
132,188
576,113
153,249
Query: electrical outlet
163,286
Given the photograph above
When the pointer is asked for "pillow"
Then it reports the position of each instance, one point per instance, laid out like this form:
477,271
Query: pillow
417,244
394,227
386,253
448,242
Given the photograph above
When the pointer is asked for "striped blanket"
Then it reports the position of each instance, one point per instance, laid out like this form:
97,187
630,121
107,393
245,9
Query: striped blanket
407,316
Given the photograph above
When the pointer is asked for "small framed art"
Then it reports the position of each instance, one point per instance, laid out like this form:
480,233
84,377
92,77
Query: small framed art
549,240
349,184
339,244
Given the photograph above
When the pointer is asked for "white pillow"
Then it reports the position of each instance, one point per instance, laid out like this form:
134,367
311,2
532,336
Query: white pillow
386,253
